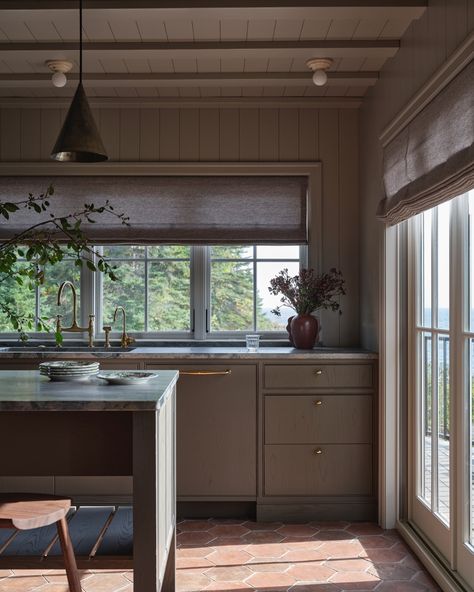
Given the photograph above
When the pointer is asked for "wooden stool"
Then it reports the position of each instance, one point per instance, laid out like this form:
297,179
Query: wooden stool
28,511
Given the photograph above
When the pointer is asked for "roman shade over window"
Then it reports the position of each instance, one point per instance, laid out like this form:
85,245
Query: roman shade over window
432,159
174,209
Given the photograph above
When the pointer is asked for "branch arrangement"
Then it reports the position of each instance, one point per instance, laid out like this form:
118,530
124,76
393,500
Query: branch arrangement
24,257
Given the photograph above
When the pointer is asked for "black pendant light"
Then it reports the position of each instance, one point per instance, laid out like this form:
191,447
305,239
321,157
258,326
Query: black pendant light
79,139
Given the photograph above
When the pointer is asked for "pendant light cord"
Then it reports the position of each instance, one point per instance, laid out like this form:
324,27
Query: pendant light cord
80,41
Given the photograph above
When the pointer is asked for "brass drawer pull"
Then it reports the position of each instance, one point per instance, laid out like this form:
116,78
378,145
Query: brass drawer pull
207,372
318,402
317,451
317,372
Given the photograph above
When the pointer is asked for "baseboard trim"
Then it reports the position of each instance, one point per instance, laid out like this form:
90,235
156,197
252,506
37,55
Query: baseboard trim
447,580
303,512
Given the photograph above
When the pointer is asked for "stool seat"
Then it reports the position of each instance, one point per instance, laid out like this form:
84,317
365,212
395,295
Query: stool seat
25,512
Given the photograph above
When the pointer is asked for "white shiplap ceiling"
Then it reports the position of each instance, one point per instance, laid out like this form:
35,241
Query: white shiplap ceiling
200,49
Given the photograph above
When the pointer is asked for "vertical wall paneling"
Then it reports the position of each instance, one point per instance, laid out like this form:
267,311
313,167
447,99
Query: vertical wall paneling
269,135
209,136
288,134
229,140
189,134
149,141
30,134
10,141
226,134
110,132
169,134
329,154
50,124
308,135
349,225
249,134
129,134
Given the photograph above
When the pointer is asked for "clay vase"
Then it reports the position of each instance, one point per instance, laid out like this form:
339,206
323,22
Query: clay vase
288,328
304,331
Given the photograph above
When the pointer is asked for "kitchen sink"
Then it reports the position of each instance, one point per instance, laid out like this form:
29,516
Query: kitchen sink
38,349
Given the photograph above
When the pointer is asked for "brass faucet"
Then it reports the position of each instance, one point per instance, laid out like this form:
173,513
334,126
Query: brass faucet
125,340
74,328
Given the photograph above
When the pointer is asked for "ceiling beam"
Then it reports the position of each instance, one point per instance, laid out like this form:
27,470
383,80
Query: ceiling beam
163,4
194,79
187,49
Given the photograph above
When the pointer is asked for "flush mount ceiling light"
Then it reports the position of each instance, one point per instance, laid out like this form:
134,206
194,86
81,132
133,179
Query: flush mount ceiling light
79,139
59,68
319,67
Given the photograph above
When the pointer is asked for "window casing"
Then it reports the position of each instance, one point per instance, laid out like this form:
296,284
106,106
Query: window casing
148,299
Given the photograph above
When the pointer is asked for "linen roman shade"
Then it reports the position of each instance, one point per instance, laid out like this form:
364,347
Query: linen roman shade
432,159
174,209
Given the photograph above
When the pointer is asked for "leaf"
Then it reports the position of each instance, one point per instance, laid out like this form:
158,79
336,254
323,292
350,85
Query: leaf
58,337
90,265
11,207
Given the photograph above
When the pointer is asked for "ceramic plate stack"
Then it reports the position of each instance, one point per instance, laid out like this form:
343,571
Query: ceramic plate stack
68,371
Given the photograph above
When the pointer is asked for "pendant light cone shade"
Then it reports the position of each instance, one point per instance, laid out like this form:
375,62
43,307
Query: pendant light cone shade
79,139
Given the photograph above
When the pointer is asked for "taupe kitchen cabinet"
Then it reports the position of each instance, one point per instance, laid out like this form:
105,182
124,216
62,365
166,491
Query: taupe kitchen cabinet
317,440
217,431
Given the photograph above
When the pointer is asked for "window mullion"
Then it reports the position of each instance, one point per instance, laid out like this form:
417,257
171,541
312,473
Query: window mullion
201,289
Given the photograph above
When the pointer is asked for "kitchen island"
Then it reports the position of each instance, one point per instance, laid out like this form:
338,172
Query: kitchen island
149,409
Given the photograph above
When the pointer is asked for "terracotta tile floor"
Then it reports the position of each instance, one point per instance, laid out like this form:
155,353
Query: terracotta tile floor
230,555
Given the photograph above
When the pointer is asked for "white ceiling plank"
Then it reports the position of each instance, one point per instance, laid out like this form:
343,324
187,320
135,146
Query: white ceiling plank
252,91
350,64
137,65
105,92
124,29
161,65
232,64
261,29
147,91
207,30
342,29
4,68
315,91
168,91
66,25
124,91
334,67
18,65
47,91
151,29
279,64
234,29
210,91
15,29
208,64
315,29
91,64
273,91
395,28
189,91
42,30
228,91
294,91
369,28
179,29
97,29
3,37
373,64
299,65
184,64
288,29
256,64
335,91
113,65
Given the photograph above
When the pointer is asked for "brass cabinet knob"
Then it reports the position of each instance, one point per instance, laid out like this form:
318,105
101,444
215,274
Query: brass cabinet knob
318,402
317,451
317,372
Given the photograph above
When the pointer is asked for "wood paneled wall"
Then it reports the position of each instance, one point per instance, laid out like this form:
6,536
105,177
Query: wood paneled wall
426,45
269,134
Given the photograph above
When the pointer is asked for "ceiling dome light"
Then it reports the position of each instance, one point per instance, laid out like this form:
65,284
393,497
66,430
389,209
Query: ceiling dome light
319,67
59,69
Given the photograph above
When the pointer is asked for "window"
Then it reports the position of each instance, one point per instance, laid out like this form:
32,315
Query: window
172,290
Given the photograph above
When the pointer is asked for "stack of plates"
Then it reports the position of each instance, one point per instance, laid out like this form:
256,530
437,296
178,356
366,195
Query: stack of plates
70,370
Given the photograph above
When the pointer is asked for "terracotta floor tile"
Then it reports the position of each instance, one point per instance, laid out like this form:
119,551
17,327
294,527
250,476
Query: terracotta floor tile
4,573
377,541
395,586
365,528
262,525
426,580
226,521
194,538
237,573
229,557
392,571
342,549
193,563
297,555
320,525
54,588
21,583
194,551
191,525
228,530
230,586
348,564
297,530
318,587
385,555
262,536
58,576
334,535
355,580
274,550
226,544
271,580
258,566
191,581
110,582
310,572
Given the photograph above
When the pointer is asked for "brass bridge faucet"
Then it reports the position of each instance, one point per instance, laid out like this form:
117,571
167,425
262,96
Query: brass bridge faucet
125,340
74,328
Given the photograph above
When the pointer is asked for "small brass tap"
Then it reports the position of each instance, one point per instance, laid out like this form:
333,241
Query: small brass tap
125,339
74,328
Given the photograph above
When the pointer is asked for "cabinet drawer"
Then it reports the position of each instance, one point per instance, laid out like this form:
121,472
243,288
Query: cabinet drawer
333,419
316,376
338,470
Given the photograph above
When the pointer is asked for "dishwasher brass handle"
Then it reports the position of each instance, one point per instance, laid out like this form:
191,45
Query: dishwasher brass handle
207,372
317,372
317,451
318,402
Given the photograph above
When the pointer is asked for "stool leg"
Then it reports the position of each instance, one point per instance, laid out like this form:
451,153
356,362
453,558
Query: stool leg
68,556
